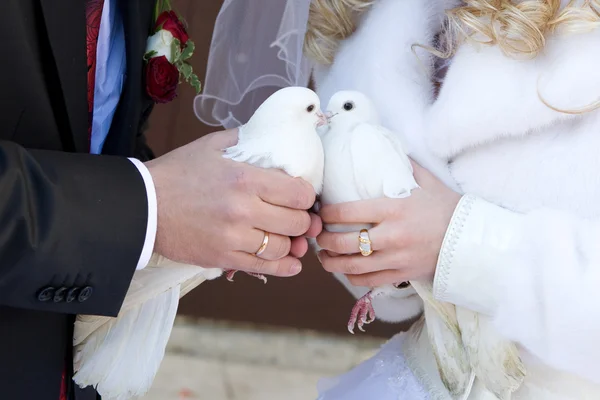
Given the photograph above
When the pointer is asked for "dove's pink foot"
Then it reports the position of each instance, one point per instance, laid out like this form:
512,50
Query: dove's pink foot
362,313
231,272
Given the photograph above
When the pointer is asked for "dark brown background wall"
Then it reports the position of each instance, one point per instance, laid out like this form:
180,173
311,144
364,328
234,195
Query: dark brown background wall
314,299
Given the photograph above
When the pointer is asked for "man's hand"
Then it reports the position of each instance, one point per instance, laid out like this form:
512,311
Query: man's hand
213,212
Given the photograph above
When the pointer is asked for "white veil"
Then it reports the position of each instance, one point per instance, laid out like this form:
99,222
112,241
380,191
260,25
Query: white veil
256,49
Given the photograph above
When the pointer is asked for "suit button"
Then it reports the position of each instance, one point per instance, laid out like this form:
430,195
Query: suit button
85,294
59,295
72,294
46,294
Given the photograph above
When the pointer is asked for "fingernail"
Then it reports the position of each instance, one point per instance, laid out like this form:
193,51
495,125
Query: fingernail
295,269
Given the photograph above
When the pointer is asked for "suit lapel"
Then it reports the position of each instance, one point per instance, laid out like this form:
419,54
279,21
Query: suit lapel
66,28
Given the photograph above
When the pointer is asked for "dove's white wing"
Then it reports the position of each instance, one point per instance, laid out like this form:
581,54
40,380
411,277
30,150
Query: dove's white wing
446,342
251,152
120,356
495,360
380,165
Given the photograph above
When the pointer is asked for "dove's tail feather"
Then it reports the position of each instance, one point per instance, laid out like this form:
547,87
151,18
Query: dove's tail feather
122,357
494,359
445,338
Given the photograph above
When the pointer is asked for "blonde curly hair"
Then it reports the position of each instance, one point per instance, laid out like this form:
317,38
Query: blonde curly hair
519,29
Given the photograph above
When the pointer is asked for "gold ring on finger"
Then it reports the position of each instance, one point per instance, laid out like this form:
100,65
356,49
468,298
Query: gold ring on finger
264,245
364,243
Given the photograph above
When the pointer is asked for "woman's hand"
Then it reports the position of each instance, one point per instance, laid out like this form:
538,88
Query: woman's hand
406,238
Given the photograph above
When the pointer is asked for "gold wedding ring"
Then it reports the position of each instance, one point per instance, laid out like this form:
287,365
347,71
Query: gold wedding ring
364,243
264,245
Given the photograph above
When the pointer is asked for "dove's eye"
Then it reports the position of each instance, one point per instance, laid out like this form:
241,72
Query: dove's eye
310,108
348,106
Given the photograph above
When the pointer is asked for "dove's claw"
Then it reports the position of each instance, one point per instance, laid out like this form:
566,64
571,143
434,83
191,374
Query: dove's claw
258,276
362,313
230,273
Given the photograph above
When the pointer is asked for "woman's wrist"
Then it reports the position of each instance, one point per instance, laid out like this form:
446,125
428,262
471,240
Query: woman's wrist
475,257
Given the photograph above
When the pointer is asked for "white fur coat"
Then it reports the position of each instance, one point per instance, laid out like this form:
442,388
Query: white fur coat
489,134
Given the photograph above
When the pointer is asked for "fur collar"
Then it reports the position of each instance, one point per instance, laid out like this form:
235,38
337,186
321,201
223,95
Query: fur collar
485,97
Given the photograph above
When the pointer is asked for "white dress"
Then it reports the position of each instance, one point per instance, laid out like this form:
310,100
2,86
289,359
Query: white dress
386,376
524,250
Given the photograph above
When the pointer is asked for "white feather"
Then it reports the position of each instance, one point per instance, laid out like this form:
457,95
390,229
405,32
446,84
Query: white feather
495,360
120,356
447,344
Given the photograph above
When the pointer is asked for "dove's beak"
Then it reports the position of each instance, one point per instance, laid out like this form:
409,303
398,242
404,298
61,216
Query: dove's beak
323,120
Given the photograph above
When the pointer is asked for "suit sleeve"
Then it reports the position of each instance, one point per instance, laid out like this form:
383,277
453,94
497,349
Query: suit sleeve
536,274
72,227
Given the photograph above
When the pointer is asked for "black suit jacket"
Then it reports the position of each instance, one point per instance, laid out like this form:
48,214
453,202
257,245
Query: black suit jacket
72,225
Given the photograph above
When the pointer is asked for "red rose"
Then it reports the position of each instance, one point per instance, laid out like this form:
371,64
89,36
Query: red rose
171,22
162,79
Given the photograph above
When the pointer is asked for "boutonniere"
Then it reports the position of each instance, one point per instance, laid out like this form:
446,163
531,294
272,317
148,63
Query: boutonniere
167,52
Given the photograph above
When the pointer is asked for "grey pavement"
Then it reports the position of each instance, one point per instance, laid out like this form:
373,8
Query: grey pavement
210,360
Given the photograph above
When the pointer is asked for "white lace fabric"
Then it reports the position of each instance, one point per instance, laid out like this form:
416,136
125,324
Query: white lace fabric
386,376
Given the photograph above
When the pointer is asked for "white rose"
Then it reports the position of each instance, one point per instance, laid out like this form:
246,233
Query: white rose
161,43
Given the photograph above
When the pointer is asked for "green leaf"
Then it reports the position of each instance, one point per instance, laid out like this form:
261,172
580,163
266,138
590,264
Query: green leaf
189,50
157,9
161,6
149,55
175,50
186,70
195,82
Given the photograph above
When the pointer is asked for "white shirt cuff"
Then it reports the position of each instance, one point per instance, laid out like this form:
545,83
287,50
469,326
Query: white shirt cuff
475,254
152,214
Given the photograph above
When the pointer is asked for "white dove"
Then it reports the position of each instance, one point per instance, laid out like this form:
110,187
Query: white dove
283,134
363,160
120,356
